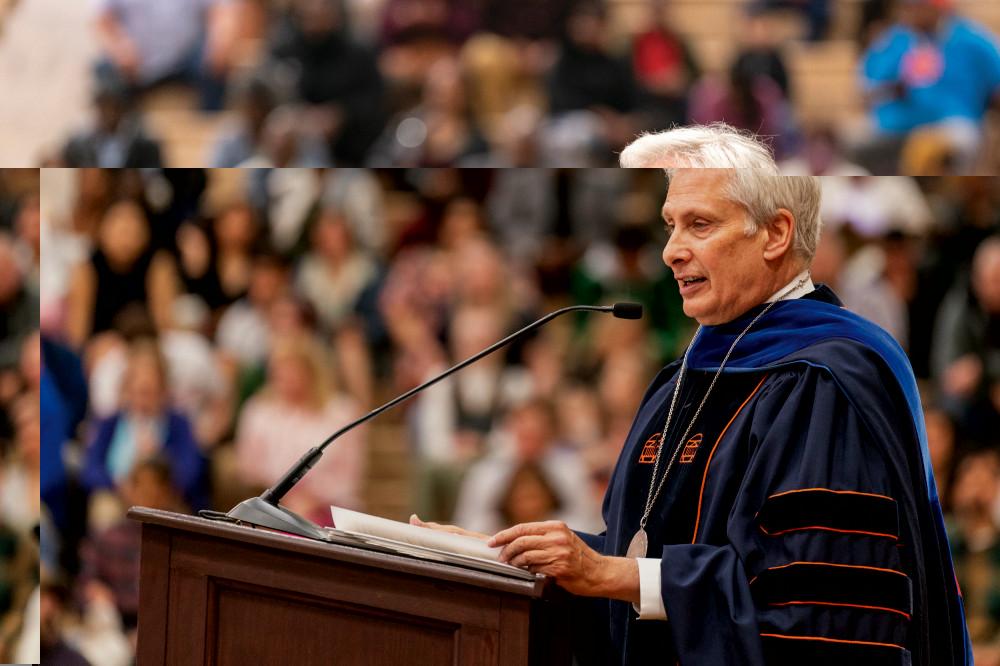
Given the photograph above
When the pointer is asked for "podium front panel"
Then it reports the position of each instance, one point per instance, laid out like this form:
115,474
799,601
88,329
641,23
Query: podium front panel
228,596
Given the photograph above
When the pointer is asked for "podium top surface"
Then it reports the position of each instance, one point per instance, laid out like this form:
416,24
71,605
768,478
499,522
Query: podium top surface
294,544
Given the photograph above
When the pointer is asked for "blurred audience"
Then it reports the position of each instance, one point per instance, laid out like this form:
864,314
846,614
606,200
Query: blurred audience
754,94
143,43
439,131
289,301
591,91
336,79
966,358
27,487
320,83
528,475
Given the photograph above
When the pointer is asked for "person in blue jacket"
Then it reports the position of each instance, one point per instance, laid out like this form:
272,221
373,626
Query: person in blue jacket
146,427
934,68
774,501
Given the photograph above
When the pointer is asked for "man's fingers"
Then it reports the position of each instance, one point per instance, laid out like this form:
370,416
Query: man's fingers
506,536
532,559
522,544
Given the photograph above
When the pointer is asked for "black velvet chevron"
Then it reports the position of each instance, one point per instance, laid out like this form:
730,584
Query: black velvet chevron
814,508
827,583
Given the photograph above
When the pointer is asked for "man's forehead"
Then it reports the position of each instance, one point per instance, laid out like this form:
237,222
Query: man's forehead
697,189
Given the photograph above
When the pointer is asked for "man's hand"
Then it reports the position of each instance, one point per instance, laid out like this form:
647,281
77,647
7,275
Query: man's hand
553,549
452,529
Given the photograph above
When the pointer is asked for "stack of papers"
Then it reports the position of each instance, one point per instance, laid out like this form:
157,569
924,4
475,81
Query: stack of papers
361,529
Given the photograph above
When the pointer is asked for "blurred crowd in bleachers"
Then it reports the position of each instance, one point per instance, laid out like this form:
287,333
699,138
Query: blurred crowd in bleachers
202,329
19,416
834,86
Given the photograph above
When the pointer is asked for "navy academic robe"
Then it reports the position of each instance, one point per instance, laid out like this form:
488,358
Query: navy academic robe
799,523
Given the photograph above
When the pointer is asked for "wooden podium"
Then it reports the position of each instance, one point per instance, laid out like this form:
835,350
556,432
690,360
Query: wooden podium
223,594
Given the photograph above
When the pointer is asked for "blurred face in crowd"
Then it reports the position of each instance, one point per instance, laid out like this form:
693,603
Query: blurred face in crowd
235,227
331,236
976,484
286,316
720,271
26,420
31,361
445,87
461,222
124,233
531,426
940,443
291,376
922,15
986,275
93,186
586,28
318,18
145,385
29,222
267,281
474,329
10,274
480,271
529,498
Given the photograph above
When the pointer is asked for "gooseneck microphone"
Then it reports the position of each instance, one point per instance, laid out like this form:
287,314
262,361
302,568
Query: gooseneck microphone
266,510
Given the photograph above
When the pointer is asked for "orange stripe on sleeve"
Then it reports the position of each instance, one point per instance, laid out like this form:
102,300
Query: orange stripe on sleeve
832,640
828,490
834,564
831,603
823,528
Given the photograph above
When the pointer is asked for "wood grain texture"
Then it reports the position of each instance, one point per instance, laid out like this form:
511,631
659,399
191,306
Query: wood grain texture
221,594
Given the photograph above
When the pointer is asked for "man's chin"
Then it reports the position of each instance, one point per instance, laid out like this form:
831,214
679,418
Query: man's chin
702,314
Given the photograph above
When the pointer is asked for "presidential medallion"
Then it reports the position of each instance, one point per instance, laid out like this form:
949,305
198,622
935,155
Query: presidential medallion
637,547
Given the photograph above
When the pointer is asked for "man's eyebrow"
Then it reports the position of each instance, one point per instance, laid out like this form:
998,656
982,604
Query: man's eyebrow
668,213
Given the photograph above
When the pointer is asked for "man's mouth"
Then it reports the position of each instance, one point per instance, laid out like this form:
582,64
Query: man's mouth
689,285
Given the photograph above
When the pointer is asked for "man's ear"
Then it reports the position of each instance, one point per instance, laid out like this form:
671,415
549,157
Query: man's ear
780,235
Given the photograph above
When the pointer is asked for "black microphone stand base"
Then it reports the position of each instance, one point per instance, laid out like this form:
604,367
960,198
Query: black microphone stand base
257,511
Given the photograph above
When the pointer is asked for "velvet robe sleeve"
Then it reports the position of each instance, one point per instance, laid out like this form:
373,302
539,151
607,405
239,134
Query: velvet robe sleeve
796,557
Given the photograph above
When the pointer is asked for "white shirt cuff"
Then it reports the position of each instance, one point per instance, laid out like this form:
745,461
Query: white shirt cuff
650,597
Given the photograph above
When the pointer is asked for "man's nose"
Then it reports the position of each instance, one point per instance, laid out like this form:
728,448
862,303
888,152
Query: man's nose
675,251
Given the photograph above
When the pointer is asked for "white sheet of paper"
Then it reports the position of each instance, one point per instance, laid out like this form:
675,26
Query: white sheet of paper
363,523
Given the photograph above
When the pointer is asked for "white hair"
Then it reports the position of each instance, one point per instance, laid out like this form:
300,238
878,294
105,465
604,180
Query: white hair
761,194
715,146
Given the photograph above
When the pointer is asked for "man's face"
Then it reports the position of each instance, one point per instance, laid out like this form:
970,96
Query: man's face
706,242
921,15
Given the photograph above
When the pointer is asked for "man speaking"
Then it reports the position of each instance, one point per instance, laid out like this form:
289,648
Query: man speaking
773,503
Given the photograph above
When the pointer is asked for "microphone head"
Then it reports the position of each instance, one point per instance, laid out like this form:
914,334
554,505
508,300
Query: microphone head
627,310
